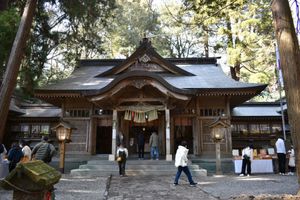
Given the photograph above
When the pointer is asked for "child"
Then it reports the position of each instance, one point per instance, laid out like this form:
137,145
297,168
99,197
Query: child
291,161
122,154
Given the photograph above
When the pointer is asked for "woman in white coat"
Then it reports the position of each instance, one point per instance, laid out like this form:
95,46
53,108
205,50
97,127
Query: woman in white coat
181,161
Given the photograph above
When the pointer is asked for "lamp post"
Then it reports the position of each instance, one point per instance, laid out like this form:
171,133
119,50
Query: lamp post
63,134
218,130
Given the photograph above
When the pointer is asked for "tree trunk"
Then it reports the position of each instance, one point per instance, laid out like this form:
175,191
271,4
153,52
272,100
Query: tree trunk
235,72
290,65
14,61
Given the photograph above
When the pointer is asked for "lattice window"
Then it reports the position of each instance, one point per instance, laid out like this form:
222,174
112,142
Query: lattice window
77,113
212,112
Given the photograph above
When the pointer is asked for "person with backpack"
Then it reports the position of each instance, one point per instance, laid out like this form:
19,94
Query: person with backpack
122,154
43,151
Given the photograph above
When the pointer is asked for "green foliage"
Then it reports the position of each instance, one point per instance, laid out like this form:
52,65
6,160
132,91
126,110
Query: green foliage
9,20
247,32
132,20
62,33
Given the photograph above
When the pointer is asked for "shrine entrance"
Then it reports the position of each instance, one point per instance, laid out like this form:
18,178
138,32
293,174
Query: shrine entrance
134,131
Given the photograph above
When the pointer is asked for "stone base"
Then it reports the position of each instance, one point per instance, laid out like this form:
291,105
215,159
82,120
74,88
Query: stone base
169,157
111,157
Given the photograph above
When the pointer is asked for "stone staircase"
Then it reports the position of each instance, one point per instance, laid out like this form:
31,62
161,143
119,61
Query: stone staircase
133,167
208,162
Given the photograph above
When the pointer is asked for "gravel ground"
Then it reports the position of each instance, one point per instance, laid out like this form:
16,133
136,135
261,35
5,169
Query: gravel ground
257,187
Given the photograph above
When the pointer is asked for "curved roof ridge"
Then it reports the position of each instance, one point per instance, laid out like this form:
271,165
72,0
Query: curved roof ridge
145,48
138,74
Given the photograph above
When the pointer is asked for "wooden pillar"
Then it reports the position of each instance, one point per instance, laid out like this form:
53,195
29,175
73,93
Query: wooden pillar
168,145
218,159
228,136
63,109
114,135
62,156
195,135
92,136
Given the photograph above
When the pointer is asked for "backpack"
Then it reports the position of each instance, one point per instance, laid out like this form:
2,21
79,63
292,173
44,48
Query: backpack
46,153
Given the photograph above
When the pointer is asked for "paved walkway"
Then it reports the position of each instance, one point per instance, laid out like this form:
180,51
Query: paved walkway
161,187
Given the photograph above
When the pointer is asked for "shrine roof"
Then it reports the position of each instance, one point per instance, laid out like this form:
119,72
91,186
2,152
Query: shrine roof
257,110
205,76
181,75
42,112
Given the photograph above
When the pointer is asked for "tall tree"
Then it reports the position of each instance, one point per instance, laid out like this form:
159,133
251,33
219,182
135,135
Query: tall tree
290,64
133,19
176,39
244,32
63,33
14,61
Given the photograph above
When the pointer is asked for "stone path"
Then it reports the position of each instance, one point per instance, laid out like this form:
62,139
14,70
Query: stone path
211,187
150,187
161,187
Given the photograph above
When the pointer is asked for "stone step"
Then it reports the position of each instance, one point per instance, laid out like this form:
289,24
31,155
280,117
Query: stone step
115,171
133,162
135,167
227,165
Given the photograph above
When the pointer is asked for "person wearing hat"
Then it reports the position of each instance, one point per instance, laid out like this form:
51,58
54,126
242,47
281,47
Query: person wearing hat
43,151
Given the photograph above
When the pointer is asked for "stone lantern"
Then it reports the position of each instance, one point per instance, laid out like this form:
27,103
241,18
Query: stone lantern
218,131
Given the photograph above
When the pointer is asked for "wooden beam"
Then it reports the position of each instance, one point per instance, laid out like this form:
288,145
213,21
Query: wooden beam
141,100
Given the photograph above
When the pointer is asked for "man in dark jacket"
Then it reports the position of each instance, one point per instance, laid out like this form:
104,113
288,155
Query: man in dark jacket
15,154
141,144
43,151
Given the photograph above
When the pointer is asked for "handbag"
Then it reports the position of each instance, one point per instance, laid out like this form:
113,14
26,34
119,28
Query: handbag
119,159
246,157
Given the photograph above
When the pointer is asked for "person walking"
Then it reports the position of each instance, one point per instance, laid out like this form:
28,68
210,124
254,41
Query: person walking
15,154
281,154
26,151
141,144
43,151
153,143
292,163
247,154
122,154
181,162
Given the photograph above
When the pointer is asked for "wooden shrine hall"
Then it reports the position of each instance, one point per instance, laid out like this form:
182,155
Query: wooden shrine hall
177,98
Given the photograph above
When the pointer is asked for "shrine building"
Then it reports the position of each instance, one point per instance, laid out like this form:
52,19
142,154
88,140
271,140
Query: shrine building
176,97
